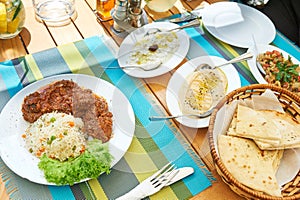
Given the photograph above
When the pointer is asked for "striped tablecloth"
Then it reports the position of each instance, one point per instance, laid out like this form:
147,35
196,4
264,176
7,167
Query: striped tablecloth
153,145
150,145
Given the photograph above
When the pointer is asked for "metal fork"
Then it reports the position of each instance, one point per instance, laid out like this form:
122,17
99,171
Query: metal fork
197,116
148,67
152,184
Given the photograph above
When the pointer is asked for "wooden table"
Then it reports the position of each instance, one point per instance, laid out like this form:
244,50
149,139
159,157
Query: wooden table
37,36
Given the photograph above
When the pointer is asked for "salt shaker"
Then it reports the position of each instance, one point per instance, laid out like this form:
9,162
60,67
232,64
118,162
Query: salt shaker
119,14
120,10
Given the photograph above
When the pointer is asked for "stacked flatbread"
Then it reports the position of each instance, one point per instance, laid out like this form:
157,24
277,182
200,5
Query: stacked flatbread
251,166
254,144
269,129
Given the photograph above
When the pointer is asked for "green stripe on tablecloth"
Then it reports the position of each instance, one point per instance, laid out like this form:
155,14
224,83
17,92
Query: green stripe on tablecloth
74,60
117,182
86,190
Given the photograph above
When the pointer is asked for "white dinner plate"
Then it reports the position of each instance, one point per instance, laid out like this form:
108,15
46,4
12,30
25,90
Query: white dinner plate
261,48
12,124
178,79
236,23
135,36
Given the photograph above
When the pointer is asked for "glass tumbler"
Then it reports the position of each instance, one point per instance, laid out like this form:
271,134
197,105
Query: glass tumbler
12,18
55,12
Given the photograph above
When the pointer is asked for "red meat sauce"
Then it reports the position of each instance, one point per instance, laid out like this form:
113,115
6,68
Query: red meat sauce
67,97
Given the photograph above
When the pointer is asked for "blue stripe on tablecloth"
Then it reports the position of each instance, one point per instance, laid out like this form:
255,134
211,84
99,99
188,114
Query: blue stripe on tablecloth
142,107
286,45
209,48
10,78
61,192
48,60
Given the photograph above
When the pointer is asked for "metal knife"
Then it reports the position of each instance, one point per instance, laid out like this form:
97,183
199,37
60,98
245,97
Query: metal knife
188,16
142,190
183,172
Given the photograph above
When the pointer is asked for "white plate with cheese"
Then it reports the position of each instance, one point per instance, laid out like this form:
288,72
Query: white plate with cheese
137,49
180,80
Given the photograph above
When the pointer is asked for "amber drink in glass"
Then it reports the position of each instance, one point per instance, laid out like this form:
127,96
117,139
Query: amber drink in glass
103,8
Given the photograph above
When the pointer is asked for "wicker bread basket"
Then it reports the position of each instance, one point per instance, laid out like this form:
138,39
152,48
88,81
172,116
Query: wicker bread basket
291,104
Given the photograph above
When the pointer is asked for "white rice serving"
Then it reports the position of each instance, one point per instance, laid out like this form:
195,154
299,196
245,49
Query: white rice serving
58,135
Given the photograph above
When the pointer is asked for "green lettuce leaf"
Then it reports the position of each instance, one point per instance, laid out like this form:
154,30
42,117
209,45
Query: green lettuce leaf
93,162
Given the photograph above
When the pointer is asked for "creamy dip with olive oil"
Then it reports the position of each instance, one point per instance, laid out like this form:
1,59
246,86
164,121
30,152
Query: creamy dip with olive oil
202,91
153,48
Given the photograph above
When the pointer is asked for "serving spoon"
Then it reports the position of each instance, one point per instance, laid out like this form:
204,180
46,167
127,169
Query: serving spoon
240,58
199,116
145,67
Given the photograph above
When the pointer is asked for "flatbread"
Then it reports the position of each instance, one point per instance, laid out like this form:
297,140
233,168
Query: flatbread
232,131
254,125
289,130
283,123
250,165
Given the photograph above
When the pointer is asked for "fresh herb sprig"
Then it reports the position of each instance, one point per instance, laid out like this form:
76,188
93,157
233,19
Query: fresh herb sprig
286,71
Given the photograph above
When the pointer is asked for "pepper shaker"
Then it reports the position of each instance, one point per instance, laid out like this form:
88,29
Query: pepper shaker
135,16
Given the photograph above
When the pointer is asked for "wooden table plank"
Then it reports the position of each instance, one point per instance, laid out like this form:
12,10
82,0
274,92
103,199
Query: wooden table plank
11,48
36,36
86,21
65,34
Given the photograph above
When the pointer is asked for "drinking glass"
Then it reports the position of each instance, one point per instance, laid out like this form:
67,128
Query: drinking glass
55,12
